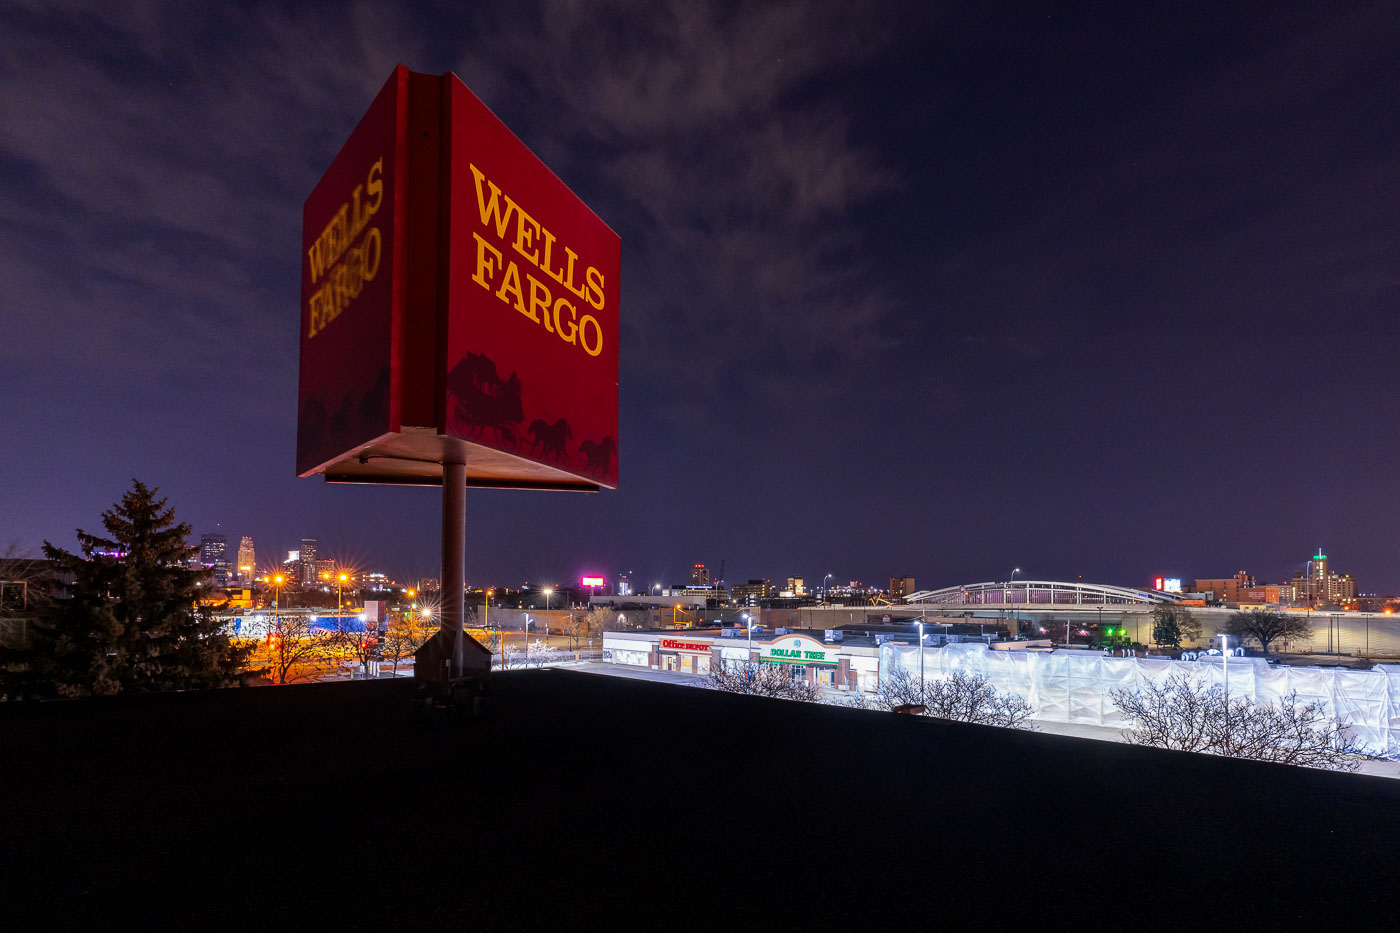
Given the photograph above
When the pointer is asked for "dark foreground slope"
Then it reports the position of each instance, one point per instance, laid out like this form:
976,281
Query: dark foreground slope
585,798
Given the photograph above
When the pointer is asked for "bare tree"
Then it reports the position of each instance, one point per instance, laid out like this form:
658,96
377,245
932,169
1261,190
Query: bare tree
1267,626
1183,713
1173,714
757,678
580,627
293,649
959,696
403,636
537,653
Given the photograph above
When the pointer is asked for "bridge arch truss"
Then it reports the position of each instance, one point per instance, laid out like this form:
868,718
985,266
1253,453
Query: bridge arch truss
1038,593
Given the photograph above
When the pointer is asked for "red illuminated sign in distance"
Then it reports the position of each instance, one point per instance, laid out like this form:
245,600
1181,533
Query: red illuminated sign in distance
672,644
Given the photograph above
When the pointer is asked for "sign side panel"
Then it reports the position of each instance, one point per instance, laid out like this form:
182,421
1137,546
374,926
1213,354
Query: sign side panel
352,289
531,344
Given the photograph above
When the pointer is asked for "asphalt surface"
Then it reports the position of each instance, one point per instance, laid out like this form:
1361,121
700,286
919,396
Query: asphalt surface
583,801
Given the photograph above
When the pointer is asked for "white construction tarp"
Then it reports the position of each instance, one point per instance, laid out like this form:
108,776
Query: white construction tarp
1076,686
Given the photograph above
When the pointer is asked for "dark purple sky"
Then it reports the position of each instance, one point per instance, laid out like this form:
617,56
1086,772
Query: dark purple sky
1106,290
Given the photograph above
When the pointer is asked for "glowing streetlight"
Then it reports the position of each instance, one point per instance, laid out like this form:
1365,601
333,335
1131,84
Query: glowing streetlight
921,661
750,621
340,581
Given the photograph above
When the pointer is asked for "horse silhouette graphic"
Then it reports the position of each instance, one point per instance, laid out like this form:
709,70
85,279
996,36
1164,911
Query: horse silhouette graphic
551,439
599,455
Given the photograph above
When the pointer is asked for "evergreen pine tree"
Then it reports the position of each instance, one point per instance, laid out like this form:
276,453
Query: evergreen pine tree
130,621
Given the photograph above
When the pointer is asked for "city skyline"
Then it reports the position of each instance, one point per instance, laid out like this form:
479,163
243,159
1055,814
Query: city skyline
698,573
1096,294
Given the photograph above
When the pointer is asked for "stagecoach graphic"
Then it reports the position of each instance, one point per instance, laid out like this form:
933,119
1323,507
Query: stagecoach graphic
480,401
485,402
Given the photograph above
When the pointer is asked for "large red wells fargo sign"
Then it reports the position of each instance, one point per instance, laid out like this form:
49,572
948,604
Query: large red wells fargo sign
458,302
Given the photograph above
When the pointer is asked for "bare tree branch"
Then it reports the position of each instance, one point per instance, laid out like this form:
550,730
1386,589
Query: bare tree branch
1182,713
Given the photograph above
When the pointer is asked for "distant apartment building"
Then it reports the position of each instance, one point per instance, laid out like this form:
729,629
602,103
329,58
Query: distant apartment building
901,587
699,575
213,555
796,586
1266,595
1226,590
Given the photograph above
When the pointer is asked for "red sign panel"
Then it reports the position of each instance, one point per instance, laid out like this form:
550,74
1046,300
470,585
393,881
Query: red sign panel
532,325
459,303
351,289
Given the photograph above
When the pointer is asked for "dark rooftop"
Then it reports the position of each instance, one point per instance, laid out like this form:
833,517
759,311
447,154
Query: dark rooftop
583,797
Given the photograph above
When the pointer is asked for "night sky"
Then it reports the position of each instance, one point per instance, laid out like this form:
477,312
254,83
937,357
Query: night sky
1099,290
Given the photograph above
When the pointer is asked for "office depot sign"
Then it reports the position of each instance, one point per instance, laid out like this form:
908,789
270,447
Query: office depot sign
675,644
458,302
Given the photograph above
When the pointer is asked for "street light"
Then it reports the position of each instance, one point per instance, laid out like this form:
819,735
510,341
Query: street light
1225,661
826,592
921,661
1016,613
486,618
339,602
749,660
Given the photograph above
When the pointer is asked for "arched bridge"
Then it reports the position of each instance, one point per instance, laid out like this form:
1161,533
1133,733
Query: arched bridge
1039,593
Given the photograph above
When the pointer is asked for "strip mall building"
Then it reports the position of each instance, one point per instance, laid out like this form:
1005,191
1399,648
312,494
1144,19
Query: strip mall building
852,664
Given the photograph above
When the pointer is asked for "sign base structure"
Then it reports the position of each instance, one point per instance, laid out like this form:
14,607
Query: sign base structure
414,457
459,304
459,321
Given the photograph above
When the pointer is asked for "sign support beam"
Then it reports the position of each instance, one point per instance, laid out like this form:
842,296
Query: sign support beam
454,558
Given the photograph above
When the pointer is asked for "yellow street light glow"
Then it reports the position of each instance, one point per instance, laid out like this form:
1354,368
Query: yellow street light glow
343,578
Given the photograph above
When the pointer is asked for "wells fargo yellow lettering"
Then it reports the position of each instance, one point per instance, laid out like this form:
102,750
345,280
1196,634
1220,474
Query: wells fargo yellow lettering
533,242
347,253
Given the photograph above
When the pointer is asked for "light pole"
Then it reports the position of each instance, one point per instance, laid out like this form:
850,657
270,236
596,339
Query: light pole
921,661
339,602
486,617
749,660
1225,662
1016,615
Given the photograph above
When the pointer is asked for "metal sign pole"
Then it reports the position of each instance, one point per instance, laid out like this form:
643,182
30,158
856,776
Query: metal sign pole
454,558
